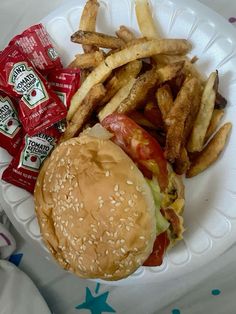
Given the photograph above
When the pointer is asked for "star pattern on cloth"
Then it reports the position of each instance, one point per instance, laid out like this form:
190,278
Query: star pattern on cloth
16,258
96,304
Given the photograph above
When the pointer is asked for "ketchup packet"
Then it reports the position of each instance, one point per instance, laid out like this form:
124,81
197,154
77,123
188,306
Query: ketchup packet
39,107
24,168
36,45
10,126
64,82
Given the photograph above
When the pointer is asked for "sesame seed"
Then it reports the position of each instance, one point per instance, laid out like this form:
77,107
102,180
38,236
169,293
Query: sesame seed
117,204
107,173
138,188
129,182
142,237
106,252
131,203
81,219
93,236
113,202
122,250
135,196
132,167
116,188
127,228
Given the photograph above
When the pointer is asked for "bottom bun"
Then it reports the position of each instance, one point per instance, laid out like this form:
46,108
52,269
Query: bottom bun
96,211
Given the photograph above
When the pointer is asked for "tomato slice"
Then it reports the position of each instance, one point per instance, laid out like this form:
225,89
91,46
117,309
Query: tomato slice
160,245
139,145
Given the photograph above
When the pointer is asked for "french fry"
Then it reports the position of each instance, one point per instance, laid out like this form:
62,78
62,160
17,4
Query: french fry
147,26
177,117
182,163
114,103
211,152
90,102
97,39
87,60
144,84
221,102
88,21
138,51
195,105
164,100
153,114
196,140
125,34
84,73
140,119
217,115
145,21
121,77
139,92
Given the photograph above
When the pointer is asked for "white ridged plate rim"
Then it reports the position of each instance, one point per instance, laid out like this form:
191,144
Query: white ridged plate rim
210,214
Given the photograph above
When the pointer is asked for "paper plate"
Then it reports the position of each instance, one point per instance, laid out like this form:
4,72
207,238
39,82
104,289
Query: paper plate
210,214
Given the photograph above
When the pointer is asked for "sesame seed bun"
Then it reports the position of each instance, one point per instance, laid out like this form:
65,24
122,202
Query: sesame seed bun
96,211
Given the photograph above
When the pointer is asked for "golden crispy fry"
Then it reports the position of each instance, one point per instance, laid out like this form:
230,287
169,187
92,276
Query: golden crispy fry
128,44
121,77
164,100
177,118
182,163
195,105
90,102
217,115
144,84
97,39
88,21
140,119
114,103
87,60
170,71
84,74
125,34
145,21
139,91
138,51
203,118
147,26
211,152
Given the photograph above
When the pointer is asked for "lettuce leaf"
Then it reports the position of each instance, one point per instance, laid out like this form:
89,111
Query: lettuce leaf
161,223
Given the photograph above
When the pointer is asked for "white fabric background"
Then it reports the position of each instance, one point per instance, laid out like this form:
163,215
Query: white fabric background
190,294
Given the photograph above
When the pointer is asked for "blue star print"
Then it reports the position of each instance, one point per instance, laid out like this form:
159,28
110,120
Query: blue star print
96,304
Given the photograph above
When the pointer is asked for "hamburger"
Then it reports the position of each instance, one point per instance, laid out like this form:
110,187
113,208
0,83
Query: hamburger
107,202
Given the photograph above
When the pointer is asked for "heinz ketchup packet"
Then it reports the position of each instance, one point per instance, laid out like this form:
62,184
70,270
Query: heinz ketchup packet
64,82
39,107
10,126
36,45
24,168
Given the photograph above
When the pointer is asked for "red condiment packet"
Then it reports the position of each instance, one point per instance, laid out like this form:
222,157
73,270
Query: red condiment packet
36,44
11,132
39,107
64,82
24,168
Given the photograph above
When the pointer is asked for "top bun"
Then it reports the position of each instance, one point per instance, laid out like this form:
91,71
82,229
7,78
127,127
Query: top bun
96,211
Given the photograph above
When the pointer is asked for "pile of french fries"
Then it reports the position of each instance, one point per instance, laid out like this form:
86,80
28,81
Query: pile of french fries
152,80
